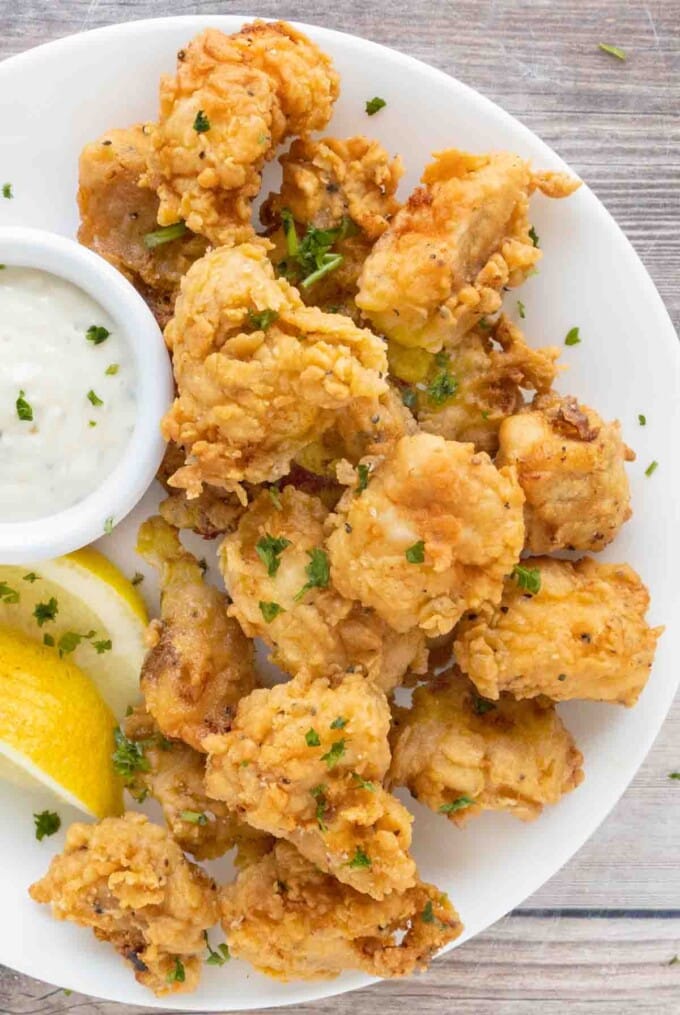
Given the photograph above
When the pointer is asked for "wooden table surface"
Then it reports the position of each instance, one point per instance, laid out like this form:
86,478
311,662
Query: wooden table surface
600,937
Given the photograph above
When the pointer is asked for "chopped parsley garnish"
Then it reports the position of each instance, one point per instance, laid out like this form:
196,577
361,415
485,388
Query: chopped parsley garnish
363,783
176,974
46,823
311,256
270,610
521,309
443,385
31,577
642,420
201,122
374,105
108,525
319,794
91,422
318,572
674,961
674,775
7,191
456,805
219,957
97,334
573,337
46,611
269,550
165,235
102,646
652,467
533,236
137,578
363,472
48,640
312,738
275,495
612,50
360,859
332,757
485,414
261,321
8,595
194,817
128,756
339,723
70,640
480,706
112,369
24,410
427,915
528,578
94,398
416,553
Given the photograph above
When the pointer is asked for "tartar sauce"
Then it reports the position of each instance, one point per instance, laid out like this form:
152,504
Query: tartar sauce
67,394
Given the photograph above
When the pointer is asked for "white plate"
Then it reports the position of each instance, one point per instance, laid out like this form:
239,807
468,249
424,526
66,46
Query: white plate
67,93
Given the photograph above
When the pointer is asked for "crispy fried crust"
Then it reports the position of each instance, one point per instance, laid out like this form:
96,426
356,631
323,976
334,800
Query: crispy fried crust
584,635
270,769
127,880
571,466
461,755
292,921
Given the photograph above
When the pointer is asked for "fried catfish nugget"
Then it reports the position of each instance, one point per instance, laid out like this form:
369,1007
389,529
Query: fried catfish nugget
214,512
571,466
260,376
304,761
346,186
447,254
127,880
432,534
117,214
200,664
460,754
583,635
292,921
233,99
276,569
465,393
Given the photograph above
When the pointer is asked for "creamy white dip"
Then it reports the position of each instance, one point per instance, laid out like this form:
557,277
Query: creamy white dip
52,371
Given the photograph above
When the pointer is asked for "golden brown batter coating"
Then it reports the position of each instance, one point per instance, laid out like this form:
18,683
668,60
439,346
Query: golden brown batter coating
127,880
460,754
447,254
433,534
304,761
231,103
583,635
200,664
316,630
214,512
117,213
570,464
292,921
251,395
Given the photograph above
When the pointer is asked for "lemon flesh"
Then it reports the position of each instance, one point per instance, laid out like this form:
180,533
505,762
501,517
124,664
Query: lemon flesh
55,728
93,598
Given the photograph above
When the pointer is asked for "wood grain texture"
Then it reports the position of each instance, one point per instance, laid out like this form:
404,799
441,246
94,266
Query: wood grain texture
618,125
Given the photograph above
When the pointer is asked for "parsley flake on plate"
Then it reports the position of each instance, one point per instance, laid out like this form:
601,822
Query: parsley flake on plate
269,550
443,385
374,105
456,805
108,525
416,553
270,610
533,236
528,578
261,320
128,756
521,309
363,472
360,859
427,915
612,50
642,420
194,817
332,757
573,337
319,794
312,738
177,973
31,577
339,723
137,578
93,398
7,191
8,595
46,823
97,334
201,122
45,612
112,369
218,957
24,410
652,467
165,235
318,572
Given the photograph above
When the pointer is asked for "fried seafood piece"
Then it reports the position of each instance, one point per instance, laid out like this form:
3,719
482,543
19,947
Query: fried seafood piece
200,663
276,569
304,761
571,466
582,635
254,390
214,512
432,534
232,101
174,774
116,214
465,393
342,185
127,880
292,921
460,754
460,239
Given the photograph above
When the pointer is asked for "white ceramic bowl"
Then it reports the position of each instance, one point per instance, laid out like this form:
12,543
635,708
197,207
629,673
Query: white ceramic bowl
28,542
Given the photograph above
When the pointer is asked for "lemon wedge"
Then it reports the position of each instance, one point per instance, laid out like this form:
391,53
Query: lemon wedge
55,727
84,610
